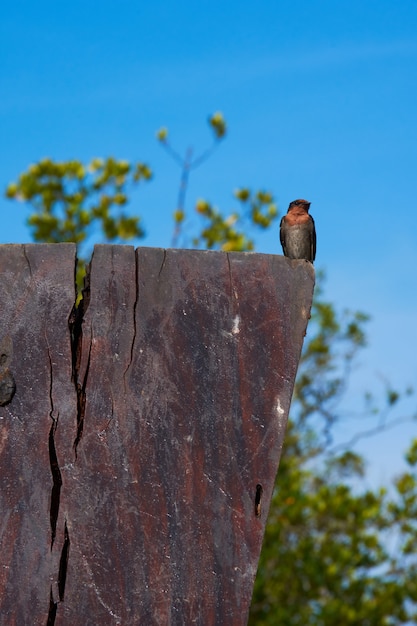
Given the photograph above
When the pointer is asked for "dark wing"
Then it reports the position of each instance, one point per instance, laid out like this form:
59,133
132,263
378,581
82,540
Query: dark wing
313,240
281,235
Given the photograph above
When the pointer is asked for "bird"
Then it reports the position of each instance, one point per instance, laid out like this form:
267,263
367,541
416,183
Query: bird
297,232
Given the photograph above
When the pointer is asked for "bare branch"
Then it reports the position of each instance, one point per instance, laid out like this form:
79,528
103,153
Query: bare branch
381,427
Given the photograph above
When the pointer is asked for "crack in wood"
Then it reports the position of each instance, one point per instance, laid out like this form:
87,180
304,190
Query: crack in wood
75,323
132,346
162,264
55,502
7,382
81,399
56,481
62,577
27,260
53,459
63,563
53,607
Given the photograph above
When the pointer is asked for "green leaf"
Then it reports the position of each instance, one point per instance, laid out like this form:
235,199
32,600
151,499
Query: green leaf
69,198
162,134
218,125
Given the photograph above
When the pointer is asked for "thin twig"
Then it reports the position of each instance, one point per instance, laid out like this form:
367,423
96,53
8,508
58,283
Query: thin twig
371,432
182,192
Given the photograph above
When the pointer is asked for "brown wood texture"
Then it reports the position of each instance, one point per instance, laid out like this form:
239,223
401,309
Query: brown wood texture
37,295
139,451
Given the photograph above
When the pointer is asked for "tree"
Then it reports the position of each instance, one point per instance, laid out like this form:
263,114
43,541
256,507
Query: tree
227,233
333,553
71,200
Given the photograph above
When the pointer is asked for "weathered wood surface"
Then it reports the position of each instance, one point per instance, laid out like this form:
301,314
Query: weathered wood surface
132,455
36,298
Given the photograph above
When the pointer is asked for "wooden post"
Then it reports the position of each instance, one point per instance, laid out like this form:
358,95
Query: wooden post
140,434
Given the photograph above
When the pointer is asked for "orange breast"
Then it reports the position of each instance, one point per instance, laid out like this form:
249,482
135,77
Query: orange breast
296,217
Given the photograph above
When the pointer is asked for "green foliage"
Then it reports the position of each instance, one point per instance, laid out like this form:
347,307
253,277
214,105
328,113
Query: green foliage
218,125
330,347
162,134
187,163
229,233
325,558
334,553
70,198
332,556
218,231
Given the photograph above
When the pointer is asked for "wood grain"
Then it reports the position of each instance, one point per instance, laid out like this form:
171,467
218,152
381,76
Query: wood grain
37,295
167,435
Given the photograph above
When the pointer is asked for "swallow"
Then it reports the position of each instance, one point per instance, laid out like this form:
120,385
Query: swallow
297,232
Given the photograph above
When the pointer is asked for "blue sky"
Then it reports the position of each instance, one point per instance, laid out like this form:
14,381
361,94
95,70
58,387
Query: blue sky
320,100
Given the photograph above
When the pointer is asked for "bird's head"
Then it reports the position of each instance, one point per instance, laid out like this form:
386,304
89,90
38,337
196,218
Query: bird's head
300,204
